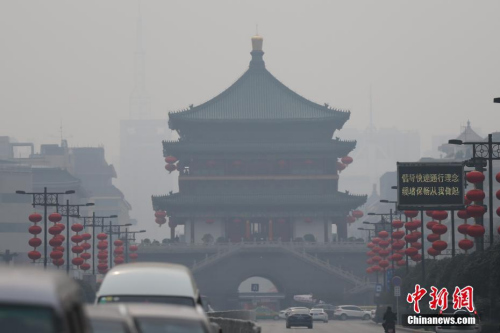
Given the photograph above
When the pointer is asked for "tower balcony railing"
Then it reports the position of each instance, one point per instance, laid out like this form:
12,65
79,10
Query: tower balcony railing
341,246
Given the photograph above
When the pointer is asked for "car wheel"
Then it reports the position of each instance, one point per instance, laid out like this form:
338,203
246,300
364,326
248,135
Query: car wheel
287,326
325,321
343,316
310,327
366,317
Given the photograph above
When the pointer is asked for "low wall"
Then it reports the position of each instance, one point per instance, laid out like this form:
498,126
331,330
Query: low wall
235,325
234,314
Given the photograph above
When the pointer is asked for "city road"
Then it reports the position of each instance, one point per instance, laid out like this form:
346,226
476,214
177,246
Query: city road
337,326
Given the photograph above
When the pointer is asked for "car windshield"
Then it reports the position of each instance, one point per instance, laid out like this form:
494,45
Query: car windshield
107,326
27,319
165,325
148,299
317,310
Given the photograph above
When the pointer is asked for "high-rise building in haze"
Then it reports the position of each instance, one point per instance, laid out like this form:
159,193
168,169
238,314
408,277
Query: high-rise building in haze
141,167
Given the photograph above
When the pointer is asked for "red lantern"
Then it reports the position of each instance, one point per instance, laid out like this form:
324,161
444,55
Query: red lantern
161,220
498,177
397,257
398,234
77,227
439,245
34,229
411,238
118,242
172,224
55,217
369,270
417,234
398,245
498,211
346,160
77,249
416,245
351,219
376,240
160,213
101,236
102,256
466,244
475,177
411,225
475,195
416,257
463,228
476,211
411,251
341,166
463,214
383,234
475,230
59,248
383,263
439,229
133,256
119,260
54,230
384,243
56,254
55,242
76,238
308,220
370,253
433,237
102,245
236,221
170,159
433,252
376,249
35,218
60,226
466,201
86,246
397,224
440,215
170,167
35,242
85,266
85,256
77,261
102,267
369,261
86,236
376,258
210,221
401,263
384,253
411,213
118,251
60,237
133,248
281,221
58,262
431,224
34,255
357,214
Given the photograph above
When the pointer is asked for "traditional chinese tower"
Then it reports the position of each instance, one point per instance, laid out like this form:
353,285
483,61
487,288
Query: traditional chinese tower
258,162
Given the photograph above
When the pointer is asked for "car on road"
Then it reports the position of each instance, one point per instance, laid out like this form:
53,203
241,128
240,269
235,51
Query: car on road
475,328
263,312
300,309
344,312
147,318
150,283
32,300
329,309
299,319
319,314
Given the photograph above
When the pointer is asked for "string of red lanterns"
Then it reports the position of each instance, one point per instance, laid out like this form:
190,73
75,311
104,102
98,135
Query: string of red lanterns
35,241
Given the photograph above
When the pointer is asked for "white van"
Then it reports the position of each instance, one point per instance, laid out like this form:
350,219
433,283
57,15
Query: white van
149,283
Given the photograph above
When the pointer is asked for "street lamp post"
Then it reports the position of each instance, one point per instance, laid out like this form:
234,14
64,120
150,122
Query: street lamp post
70,211
45,199
127,239
97,221
110,232
369,232
482,152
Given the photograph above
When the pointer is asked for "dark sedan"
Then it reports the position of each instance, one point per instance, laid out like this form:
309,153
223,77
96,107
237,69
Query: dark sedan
299,319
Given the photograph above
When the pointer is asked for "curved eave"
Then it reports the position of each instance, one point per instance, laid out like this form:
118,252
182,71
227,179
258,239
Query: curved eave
180,148
178,201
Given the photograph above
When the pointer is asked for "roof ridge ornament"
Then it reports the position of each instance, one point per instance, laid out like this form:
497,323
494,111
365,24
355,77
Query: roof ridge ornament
257,53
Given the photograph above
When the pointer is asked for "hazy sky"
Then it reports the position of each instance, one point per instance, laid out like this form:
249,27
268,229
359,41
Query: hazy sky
432,64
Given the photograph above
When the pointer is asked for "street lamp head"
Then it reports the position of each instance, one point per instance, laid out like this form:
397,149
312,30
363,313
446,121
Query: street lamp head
127,225
371,214
366,222
113,216
142,231
455,142
89,204
384,201
361,228
20,192
394,187
496,100
69,192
